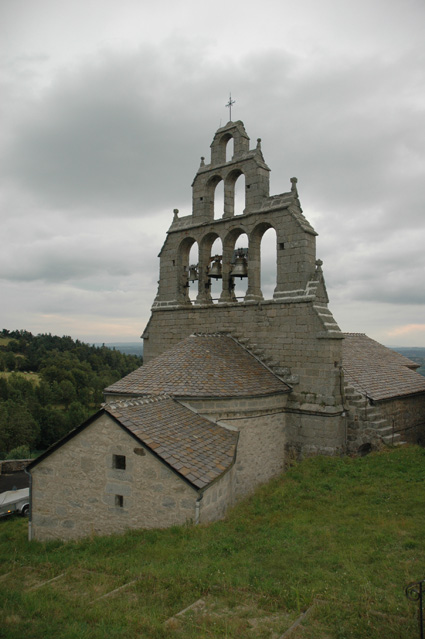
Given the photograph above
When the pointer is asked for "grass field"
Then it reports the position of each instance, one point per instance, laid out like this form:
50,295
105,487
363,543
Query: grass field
338,538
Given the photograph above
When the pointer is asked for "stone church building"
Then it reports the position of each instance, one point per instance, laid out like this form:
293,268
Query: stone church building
230,386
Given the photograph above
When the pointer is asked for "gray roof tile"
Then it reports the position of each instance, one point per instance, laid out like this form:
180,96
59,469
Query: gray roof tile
202,366
194,447
377,371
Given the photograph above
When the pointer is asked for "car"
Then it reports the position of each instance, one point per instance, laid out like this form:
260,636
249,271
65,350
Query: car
15,501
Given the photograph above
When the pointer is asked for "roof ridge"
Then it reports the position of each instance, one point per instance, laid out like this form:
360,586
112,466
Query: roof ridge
136,401
215,334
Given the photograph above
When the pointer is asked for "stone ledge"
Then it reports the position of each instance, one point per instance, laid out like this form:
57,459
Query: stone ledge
13,465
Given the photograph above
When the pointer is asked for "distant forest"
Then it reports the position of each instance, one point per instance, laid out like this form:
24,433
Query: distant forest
49,385
415,353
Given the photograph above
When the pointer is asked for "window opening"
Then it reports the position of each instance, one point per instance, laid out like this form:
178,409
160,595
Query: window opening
119,501
240,204
219,200
230,149
118,462
216,283
269,263
241,284
193,271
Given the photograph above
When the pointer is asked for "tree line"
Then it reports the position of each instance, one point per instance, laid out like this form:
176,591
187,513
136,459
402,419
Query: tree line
49,385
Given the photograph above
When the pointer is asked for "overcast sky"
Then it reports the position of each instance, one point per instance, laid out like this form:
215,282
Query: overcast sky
107,107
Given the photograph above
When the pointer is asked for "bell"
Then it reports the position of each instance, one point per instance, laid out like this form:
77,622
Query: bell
215,270
240,268
193,273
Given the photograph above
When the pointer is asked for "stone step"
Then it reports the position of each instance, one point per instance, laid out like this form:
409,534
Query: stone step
382,427
257,349
356,403
378,422
352,396
392,440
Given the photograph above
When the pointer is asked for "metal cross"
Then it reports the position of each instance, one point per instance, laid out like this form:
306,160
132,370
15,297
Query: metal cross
230,104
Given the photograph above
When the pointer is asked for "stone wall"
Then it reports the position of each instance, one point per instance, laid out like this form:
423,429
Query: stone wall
406,417
262,436
13,465
292,340
75,489
290,336
315,434
217,498
372,424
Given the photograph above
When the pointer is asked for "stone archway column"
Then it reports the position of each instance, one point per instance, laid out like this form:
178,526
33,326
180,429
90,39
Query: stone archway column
253,293
229,197
204,294
227,295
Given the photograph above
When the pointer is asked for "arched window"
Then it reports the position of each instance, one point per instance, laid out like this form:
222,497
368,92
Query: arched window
230,149
239,195
182,268
268,263
193,272
219,200
216,283
239,261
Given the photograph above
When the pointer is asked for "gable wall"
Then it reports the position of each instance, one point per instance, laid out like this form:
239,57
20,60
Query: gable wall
73,490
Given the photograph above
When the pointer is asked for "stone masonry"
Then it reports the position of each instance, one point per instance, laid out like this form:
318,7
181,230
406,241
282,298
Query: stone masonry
294,332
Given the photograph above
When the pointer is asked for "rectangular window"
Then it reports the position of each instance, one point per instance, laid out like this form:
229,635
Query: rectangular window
119,501
118,461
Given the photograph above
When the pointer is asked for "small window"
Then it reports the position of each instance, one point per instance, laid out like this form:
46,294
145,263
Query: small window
118,461
119,501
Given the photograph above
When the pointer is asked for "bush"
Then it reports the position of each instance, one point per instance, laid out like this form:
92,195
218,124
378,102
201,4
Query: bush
20,452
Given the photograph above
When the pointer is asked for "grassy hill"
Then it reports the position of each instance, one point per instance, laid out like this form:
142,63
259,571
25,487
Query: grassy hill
338,538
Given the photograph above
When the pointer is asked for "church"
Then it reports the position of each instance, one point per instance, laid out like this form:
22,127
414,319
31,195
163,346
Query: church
233,386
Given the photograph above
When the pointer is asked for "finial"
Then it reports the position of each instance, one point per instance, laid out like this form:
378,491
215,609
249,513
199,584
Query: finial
230,104
202,161
294,190
258,144
176,214
319,266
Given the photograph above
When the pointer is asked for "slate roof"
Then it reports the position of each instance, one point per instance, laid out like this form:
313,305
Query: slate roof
202,366
198,449
378,371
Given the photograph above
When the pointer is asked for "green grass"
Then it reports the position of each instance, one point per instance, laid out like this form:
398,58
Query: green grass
344,535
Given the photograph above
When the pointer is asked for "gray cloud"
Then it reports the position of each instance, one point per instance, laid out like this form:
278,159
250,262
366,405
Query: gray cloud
110,133
94,161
